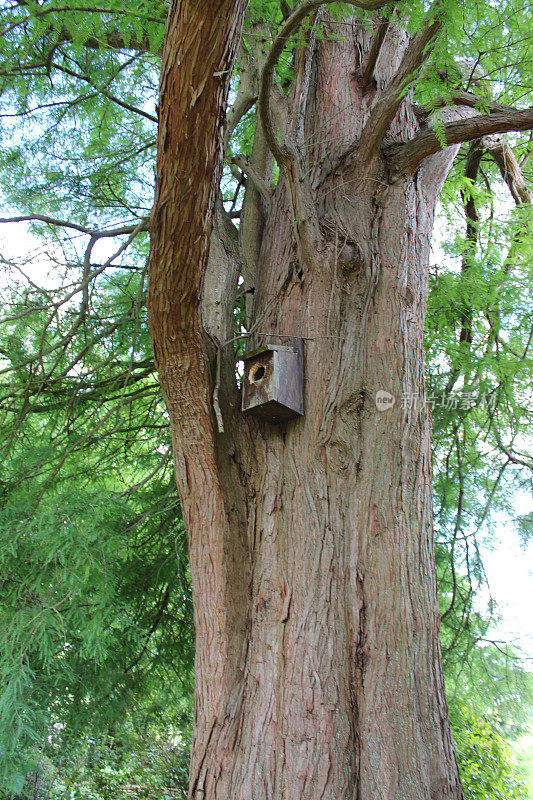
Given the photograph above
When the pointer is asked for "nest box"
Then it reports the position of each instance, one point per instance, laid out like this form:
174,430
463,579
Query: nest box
272,385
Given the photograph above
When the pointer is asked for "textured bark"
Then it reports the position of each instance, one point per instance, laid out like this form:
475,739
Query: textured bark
342,693
199,49
318,671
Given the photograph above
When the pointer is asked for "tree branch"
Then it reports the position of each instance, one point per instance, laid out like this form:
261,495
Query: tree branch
389,102
287,155
373,56
106,94
246,96
236,113
510,169
260,184
512,174
200,46
406,158
112,39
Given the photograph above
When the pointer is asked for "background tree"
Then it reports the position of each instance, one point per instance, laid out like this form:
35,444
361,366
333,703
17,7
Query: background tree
78,82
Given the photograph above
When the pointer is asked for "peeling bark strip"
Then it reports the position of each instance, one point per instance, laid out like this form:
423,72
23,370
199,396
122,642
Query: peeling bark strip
318,668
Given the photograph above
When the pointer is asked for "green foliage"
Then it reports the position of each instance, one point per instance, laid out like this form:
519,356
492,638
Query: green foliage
95,600
525,527
63,152
95,617
480,371
485,763
143,756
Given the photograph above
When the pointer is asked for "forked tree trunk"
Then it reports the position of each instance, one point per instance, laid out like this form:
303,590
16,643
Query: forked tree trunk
318,662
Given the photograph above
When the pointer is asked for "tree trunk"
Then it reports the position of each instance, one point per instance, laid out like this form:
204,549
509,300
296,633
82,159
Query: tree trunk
318,668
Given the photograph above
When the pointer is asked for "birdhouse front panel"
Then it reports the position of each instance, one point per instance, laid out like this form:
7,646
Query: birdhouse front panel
273,383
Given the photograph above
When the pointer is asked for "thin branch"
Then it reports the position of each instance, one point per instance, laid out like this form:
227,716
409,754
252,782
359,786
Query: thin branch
153,628
260,184
66,386
456,529
246,96
529,153
61,223
285,9
105,93
66,339
512,174
509,453
473,160
461,98
406,158
43,11
112,39
237,112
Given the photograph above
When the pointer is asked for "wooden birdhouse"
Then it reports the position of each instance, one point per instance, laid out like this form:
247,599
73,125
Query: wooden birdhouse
272,385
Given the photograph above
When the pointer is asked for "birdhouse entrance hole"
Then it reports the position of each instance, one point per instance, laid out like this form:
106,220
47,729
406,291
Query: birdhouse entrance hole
257,372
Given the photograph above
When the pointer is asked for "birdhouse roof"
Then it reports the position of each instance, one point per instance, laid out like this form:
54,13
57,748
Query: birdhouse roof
268,349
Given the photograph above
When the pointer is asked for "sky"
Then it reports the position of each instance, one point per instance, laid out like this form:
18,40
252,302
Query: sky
509,569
